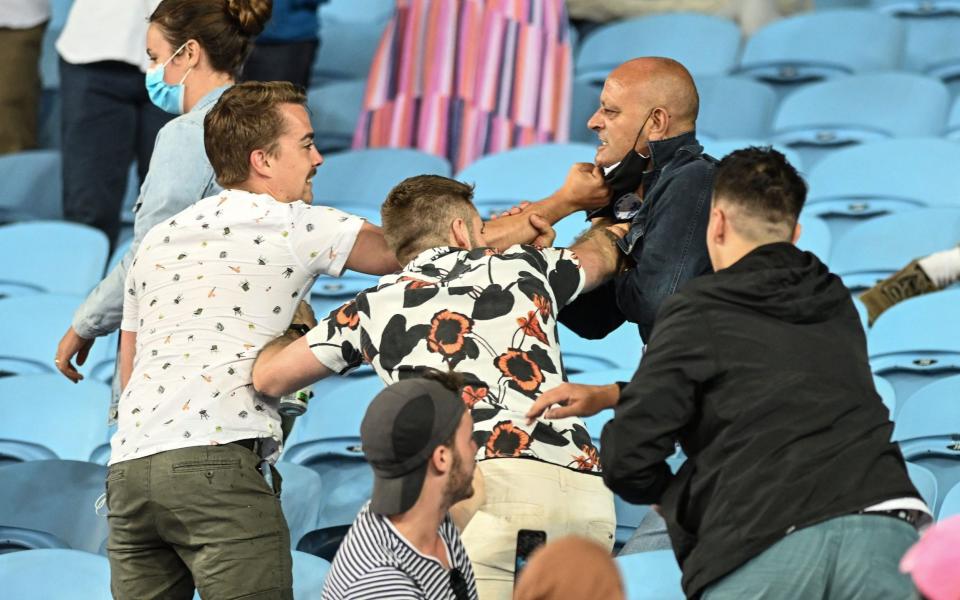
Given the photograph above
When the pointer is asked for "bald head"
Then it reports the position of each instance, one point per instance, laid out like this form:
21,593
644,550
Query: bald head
655,81
643,100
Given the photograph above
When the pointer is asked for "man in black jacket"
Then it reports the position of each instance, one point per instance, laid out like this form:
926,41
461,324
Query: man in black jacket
792,488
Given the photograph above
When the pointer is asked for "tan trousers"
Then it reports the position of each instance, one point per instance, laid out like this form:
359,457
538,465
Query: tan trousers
528,494
19,87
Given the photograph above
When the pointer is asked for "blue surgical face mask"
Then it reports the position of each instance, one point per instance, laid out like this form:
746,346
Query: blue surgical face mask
166,96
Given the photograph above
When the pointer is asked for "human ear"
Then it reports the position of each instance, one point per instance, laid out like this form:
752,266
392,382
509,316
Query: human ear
461,235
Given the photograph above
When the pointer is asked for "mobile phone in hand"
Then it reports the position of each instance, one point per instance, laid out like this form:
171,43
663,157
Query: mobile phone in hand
528,540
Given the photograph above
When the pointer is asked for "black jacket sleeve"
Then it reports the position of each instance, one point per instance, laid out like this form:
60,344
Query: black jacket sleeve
594,314
660,401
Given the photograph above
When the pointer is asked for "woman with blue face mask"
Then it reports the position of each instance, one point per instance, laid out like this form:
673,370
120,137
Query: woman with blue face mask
196,50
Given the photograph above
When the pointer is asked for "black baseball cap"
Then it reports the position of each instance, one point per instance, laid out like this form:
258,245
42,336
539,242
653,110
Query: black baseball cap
403,425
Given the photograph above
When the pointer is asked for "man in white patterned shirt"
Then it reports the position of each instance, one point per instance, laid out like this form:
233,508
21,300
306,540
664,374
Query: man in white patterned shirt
187,488
491,316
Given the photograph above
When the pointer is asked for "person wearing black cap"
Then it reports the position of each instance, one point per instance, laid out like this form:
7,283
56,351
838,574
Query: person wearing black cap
417,437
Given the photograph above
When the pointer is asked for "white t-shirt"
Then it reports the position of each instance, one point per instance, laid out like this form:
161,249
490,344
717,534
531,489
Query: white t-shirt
107,30
207,290
23,14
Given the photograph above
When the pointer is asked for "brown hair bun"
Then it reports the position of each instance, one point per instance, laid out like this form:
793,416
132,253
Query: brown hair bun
251,14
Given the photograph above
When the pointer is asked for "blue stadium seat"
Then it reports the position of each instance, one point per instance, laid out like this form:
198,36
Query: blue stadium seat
916,8
327,439
651,575
48,416
621,349
814,236
925,482
821,45
734,107
309,573
927,429
32,186
714,53
879,247
328,293
528,173
951,504
41,264
585,100
933,46
887,394
883,177
56,497
861,108
55,575
33,326
302,496
130,196
720,148
953,121
334,110
350,32
915,343
364,177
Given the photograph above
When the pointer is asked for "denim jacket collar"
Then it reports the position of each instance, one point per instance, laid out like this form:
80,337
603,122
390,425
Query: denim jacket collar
663,151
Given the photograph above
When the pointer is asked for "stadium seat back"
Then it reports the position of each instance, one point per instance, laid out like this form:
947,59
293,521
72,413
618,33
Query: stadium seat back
821,45
734,107
327,439
302,496
620,349
334,110
883,177
57,497
951,504
720,148
876,248
363,178
33,326
32,187
48,416
350,32
528,173
651,575
41,266
861,108
925,482
55,574
714,53
815,236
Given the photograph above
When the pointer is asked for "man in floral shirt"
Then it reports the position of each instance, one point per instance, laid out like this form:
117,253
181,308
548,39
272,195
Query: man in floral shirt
491,316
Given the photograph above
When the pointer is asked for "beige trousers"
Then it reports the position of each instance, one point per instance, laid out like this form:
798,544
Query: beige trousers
19,87
528,494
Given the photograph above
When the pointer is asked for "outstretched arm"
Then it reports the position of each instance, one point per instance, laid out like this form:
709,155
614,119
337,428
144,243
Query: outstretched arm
370,253
286,365
583,189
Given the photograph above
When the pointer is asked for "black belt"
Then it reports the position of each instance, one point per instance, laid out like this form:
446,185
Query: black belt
911,516
252,444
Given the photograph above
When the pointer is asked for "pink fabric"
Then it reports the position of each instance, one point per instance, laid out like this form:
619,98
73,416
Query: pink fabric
934,561
464,78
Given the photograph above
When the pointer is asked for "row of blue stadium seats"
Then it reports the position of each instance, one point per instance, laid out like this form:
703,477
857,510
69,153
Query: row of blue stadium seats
63,574
846,227
852,181
72,424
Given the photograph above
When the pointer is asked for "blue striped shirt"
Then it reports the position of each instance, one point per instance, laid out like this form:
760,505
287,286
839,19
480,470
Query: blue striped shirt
376,562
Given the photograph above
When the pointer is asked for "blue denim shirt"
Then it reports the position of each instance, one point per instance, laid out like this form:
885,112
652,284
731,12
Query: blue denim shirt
666,240
179,175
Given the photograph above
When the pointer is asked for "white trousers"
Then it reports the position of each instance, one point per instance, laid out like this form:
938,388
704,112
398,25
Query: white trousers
528,494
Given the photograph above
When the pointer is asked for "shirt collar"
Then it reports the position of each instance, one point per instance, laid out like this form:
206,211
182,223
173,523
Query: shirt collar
429,255
663,151
211,97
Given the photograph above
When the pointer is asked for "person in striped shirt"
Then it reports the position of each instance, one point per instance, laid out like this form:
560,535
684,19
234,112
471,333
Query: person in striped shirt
417,437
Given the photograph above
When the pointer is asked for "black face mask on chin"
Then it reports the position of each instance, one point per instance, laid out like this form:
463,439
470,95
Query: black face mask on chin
628,174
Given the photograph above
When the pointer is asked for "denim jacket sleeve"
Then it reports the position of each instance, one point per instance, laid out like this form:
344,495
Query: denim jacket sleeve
179,175
668,245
